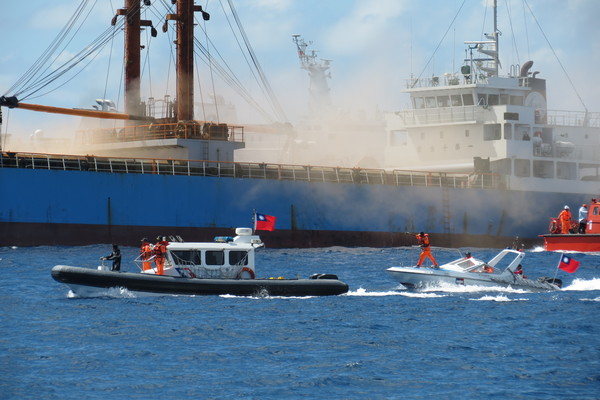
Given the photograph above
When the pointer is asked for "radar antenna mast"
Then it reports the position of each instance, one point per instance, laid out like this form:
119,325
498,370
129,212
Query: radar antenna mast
318,71
490,65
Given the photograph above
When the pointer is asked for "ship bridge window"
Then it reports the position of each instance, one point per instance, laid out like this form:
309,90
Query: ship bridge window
493,100
443,101
589,172
595,212
543,169
566,170
522,167
237,257
508,131
456,100
430,102
215,257
418,102
492,132
468,99
187,257
522,132
516,100
482,99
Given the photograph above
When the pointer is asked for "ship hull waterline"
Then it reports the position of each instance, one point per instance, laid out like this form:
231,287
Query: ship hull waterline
102,207
84,281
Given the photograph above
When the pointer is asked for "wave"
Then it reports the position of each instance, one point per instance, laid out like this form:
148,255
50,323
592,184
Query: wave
498,298
114,293
453,288
583,285
597,299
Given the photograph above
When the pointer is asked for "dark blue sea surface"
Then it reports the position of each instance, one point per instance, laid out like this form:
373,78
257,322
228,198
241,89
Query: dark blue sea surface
376,342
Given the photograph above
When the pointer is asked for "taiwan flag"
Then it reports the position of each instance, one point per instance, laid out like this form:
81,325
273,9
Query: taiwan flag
568,264
264,222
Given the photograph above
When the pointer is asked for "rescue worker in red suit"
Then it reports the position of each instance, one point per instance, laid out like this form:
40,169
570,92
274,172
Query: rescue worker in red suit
160,251
565,220
423,239
519,271
146,254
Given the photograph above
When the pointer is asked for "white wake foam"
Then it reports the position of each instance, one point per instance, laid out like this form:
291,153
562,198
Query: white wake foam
584,284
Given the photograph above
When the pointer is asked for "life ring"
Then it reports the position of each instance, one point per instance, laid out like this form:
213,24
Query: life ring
248,270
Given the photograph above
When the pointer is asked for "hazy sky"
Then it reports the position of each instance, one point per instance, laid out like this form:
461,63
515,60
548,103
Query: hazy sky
374,44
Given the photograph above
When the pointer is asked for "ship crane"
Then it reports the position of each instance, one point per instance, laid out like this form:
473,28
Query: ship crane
318,71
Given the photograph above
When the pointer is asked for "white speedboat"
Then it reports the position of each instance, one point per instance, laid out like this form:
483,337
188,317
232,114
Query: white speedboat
225,266
498,272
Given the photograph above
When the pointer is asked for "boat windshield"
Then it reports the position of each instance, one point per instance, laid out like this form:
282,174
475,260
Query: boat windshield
464,264
471,264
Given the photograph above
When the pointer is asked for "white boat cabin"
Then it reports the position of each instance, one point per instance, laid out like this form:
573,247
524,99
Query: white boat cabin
225,258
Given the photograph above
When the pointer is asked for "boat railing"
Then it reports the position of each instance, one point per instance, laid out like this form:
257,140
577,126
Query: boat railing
245,170
158,131
457,114
444,115
573,118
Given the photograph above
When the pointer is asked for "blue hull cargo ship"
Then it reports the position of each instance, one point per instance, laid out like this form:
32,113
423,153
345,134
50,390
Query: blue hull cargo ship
512,163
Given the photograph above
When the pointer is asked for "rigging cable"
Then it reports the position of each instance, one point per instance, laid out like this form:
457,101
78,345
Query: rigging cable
231,80
526,32
512,31
47,54
438,45
248,63
37,77
271,95
109,63
556,56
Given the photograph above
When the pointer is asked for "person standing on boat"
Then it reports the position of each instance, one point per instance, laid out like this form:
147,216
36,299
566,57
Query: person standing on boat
160,251
115,256
565,220
423,239
583,214
146,254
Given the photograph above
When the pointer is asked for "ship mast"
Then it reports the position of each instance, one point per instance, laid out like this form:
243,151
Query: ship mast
133,25
185,56
320,99
489,48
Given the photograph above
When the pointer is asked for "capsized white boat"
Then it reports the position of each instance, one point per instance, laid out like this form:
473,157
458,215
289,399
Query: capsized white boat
498,272
225,266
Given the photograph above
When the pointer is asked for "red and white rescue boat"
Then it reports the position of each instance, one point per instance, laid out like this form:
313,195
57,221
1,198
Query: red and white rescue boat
574,241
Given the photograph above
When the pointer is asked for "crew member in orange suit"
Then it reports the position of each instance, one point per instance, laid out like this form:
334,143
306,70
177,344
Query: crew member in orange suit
565,220
160,251
423,239
146,254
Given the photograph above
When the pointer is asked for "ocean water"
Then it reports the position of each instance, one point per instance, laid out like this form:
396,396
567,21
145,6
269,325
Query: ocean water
376,342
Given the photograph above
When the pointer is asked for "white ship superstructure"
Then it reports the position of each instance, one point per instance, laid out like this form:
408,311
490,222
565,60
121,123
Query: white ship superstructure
477,120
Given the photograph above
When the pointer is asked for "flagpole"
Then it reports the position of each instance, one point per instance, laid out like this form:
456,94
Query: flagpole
556,273
254,220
